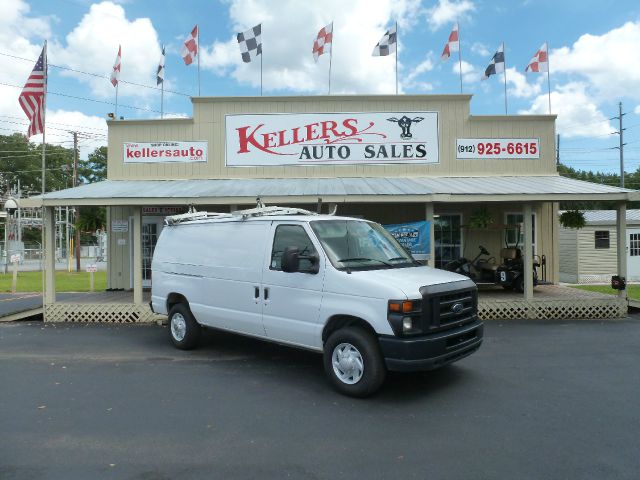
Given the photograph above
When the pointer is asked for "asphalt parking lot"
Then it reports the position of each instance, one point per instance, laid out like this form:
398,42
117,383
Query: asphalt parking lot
540,400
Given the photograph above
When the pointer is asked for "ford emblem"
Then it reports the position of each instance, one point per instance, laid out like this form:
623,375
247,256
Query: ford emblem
457,307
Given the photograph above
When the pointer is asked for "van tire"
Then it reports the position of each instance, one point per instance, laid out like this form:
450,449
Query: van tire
361,351
183,328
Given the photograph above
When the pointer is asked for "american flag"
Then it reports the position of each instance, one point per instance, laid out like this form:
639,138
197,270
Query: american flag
540,61
453,44
33,96
322,43
117,66
190,48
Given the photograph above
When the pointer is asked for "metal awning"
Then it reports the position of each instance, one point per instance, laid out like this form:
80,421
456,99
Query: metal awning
351,189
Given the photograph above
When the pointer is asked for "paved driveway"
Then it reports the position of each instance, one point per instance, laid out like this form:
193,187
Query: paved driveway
540,400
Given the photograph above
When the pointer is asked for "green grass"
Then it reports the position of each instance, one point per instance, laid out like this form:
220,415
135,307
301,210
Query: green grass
632,290
65,281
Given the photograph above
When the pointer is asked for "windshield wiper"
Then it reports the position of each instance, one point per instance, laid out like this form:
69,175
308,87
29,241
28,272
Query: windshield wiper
364,259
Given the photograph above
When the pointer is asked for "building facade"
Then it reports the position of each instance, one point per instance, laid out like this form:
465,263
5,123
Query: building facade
392,159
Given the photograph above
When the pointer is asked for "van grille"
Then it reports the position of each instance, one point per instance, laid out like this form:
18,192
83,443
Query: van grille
448,308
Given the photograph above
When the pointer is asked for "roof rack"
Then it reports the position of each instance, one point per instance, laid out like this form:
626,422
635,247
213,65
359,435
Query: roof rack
260,211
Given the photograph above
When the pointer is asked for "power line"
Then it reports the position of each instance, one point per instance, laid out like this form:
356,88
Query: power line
97,75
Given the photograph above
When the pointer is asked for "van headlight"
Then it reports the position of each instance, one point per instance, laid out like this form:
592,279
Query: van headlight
404,316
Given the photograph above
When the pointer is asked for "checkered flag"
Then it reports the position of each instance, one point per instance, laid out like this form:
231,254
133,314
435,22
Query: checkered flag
497,63
540,60
322,43
386,45
250,43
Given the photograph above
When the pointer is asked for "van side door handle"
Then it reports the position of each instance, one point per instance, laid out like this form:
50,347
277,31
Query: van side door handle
266,294
256,294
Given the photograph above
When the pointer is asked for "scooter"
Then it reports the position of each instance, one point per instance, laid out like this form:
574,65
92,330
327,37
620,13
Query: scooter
480,270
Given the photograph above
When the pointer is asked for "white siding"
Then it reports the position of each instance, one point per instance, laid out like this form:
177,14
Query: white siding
568,255
596,265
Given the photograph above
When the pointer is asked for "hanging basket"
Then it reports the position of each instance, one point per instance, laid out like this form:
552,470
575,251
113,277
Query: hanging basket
481,218
572,219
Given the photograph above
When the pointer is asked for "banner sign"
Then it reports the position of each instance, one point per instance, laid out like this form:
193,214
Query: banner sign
331,138
162,152
502,148
412,236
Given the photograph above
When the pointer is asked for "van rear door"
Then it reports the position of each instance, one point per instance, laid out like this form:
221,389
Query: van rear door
291,301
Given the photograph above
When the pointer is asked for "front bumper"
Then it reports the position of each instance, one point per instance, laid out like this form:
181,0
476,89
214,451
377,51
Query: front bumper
406,354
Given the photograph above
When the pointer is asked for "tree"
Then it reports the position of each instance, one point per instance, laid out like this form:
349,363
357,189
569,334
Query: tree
91,170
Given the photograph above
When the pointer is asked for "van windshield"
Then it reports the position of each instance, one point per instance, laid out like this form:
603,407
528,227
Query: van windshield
360,245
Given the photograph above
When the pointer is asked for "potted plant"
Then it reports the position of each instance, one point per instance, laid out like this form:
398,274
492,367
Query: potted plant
572,219
481,218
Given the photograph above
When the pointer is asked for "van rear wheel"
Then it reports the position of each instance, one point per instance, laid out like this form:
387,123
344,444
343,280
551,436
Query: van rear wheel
353,362
183,328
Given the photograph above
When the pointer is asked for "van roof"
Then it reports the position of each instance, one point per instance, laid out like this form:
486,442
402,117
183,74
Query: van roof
269,218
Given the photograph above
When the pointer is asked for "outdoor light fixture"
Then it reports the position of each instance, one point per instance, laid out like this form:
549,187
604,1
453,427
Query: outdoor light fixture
11,206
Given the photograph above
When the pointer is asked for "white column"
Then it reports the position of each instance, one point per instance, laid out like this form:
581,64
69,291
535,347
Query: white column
137,255
528,252
621,231
432,237
49,222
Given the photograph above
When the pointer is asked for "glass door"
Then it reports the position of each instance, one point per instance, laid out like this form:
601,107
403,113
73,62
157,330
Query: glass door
151,227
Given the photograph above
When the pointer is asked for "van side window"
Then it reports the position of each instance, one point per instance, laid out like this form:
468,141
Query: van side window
291,236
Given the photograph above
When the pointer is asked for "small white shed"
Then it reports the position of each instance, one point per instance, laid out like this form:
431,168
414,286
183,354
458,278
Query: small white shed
589,255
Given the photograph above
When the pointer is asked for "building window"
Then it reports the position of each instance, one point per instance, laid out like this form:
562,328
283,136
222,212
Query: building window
514,234
602,238
448,239
634,244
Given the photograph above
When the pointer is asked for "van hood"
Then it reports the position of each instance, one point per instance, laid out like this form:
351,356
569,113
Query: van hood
409,280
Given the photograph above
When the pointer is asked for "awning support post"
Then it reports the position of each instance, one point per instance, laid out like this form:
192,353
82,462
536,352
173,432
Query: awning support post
528,252
137,255
621,231
432,240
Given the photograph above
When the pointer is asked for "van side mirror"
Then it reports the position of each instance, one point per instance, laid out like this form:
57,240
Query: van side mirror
291,257
290,260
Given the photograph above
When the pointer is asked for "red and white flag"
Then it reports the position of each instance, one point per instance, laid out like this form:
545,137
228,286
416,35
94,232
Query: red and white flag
33,96
453,44
115,73
540,60
322,43
190,49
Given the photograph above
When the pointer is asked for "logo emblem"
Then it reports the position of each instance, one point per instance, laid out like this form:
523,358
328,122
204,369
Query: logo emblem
405,124
457,307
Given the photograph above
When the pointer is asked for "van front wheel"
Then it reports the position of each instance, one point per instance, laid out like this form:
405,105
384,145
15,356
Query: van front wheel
183,328
353,362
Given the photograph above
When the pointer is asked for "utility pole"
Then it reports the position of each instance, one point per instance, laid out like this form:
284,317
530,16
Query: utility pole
75,184
622,144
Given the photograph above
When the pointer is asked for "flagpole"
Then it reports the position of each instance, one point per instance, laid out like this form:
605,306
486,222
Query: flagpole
397,49
162,99
198,53
44,128
505,79
548,79
330,57
117,84
260,73
459,55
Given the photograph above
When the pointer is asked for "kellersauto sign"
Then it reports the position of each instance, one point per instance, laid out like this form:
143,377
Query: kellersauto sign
331,138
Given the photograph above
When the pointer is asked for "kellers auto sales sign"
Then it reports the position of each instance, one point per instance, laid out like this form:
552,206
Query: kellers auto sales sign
331,138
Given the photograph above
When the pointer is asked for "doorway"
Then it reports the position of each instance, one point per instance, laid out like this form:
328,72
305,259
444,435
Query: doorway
151,228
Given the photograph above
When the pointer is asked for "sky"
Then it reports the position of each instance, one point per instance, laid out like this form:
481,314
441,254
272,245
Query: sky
594,60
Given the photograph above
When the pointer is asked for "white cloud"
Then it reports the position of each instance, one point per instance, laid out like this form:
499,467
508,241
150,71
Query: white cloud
447,11
409,80
637,110
470,73
287,60
521,88
480,49
578,114
610,62
93,44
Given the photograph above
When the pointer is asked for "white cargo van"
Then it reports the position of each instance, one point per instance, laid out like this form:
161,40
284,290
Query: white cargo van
338,285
